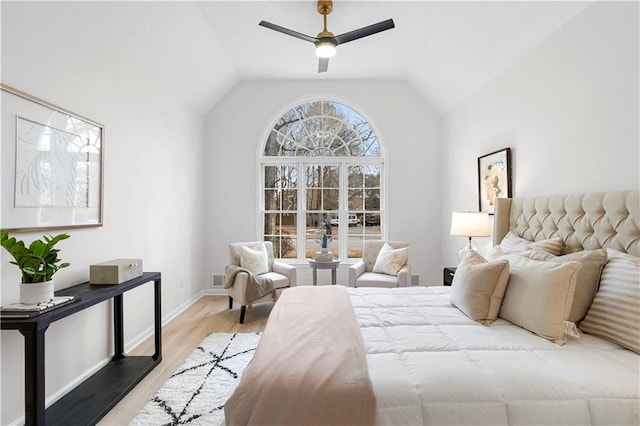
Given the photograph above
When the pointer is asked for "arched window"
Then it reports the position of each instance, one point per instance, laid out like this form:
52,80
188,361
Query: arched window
322,173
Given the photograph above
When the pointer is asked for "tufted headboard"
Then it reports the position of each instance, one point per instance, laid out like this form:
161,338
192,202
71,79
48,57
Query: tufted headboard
583,221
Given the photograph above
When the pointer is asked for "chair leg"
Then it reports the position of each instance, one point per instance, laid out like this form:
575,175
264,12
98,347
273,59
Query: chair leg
243,309
230,302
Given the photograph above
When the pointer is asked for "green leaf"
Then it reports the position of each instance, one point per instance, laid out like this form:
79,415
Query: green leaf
39,261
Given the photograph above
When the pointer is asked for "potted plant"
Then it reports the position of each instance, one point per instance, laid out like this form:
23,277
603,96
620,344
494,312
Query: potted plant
324,241
38,263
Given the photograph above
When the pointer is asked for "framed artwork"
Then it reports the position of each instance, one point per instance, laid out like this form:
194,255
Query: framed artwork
494,178
52,166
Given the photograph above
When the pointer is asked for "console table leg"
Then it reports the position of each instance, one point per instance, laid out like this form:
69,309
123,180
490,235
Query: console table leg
118,327
34,376
158,318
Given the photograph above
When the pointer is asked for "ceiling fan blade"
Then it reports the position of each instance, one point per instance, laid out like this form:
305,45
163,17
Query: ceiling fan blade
287,31
323,65
364,31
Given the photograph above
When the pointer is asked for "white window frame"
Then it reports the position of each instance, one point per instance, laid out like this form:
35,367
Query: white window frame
301,162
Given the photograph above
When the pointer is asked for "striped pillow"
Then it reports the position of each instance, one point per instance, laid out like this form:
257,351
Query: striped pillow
615,311
511,243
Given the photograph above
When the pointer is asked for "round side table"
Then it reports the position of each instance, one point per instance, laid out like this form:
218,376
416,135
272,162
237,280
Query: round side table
333,265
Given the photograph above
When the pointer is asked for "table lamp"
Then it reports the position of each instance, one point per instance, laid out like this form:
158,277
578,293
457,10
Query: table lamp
469,224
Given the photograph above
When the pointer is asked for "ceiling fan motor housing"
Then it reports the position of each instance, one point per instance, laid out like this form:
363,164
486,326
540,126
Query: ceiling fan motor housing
325,7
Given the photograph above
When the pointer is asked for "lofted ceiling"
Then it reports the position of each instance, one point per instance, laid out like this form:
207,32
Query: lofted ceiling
445,50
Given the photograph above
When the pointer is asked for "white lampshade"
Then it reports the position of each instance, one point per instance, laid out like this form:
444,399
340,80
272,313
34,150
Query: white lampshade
470,224
325,49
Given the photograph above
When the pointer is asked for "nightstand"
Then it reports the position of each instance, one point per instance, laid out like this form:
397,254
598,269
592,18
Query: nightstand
448,274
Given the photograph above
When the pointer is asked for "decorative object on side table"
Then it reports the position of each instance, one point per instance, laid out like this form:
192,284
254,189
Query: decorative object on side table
469,224
21,310
494,178
323,256
38,263
115,271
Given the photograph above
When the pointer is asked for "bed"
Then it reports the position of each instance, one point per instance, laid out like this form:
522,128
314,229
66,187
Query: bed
408,356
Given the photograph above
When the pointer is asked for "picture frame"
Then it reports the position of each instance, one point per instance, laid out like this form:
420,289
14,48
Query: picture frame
52,165
494,179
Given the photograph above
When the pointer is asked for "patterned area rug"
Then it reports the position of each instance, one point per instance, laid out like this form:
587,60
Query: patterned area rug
195,394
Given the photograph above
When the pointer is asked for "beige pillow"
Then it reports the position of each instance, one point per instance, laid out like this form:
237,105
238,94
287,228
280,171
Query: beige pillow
615,311
478,287
511,243
255,260
539,296
390,260
592,262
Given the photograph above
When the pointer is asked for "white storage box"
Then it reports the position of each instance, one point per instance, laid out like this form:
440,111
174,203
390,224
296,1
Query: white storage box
115,271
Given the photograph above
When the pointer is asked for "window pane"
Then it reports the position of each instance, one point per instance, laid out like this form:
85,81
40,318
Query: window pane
283,247
355,177
372,176
271,199
271,223
372,219
356,201
331,177
355,246
289,199
270,176
314,199
330,199
322,128
372,199
314,176
315,221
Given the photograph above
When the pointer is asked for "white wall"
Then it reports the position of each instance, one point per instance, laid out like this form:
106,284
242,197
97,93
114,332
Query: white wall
153,186
406,126
568,110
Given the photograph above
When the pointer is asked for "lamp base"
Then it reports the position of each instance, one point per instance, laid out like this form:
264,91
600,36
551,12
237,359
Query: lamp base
464,251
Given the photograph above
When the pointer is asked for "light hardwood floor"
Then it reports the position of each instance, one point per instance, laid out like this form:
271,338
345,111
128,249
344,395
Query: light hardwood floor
180,337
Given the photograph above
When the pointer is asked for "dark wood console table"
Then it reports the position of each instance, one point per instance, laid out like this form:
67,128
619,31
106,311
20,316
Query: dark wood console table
93,398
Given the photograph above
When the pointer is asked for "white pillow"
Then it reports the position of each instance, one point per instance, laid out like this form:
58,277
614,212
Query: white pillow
539,296
592,262
615,311
390,260
511,243
255,260
478,287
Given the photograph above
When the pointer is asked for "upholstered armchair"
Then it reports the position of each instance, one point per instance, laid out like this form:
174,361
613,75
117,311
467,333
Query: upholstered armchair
238,281
361,274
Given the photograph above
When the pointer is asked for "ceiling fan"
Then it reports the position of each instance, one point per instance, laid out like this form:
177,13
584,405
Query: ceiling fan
326,42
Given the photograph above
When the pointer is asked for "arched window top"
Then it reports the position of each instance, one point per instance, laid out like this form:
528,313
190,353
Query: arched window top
322,129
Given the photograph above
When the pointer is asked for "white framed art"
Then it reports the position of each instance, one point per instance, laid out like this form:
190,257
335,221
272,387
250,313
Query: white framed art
52,165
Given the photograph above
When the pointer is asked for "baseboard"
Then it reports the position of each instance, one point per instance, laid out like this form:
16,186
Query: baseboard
213,292
133,343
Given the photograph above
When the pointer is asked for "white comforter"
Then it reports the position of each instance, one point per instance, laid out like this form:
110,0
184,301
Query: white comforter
430,364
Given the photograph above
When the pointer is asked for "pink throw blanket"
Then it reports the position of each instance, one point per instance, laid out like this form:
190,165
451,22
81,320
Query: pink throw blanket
309,367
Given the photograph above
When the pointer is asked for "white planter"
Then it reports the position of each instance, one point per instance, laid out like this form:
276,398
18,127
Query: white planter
34,293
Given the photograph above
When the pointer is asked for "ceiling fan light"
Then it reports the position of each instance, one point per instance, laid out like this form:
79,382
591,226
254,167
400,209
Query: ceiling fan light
325,49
